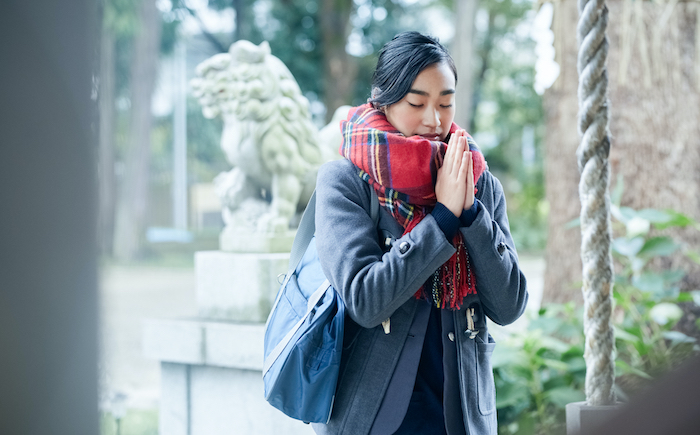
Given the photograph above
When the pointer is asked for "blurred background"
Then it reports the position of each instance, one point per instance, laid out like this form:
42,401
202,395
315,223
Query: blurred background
158,156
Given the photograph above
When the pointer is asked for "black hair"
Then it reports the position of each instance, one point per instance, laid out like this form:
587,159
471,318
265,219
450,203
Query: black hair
399,63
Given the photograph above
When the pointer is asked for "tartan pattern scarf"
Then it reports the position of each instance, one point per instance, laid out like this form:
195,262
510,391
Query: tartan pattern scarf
402,170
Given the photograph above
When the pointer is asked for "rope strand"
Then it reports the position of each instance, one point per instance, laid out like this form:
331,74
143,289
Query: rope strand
596,232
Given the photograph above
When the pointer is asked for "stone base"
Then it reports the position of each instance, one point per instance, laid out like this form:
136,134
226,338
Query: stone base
200,342
205,400
582,418
237,287
231,240
211,379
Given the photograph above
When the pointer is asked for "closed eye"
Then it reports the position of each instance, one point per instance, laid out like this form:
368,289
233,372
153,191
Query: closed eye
415,105
446,106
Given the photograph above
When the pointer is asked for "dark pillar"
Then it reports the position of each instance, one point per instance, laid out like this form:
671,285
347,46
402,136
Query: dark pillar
48,254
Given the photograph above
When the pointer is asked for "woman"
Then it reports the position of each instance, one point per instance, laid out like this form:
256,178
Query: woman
418,285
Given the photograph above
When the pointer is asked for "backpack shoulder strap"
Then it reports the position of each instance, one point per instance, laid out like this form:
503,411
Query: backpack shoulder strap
373,206
307,228
305,232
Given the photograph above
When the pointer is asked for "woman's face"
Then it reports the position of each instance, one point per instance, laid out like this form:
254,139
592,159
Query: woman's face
427,109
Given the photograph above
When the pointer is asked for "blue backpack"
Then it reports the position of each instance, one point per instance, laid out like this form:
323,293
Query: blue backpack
304,332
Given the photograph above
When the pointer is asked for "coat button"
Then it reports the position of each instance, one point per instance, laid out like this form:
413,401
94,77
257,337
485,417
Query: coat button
501,248
403,247
451,336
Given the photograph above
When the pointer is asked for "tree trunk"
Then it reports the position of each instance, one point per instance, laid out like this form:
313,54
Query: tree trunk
484,53
243,20
563,261
654,93
106,147
339,68
463,54
131,218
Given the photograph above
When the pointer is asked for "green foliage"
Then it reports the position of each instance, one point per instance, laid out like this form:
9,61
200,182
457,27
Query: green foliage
135,422
648,299
293,31
538,371
509,115
205,157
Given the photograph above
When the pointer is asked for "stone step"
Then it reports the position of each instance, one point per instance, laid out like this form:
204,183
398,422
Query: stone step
237,286
202,342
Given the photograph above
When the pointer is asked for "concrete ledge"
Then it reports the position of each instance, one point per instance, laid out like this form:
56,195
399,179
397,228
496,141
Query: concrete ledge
582,418
173,340
234,345
234,240
197,342
235,286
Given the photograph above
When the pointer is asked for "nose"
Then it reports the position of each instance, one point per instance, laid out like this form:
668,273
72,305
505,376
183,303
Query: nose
431,118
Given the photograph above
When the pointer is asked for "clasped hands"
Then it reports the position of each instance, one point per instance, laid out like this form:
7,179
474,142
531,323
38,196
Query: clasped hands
454,187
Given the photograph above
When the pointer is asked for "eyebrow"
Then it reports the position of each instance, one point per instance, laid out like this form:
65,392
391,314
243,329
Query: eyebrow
445,92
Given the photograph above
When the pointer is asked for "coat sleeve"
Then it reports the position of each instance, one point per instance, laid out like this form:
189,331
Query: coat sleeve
372,283
501,285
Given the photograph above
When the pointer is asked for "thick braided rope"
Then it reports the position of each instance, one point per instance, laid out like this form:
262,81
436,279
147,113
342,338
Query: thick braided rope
595,201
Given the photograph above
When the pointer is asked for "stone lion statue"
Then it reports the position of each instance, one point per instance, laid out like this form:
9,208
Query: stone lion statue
268,138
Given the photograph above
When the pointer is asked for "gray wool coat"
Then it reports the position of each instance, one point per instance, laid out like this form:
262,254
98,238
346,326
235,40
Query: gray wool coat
378,283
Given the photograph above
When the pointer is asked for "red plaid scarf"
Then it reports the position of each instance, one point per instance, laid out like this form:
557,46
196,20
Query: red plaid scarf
403,172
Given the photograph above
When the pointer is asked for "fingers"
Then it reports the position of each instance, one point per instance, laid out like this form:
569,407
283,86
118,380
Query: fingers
447,160
465,166
452,160
469,192
458,156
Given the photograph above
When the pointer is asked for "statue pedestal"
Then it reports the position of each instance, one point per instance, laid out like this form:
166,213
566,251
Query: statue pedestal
235,286
211,379
211,366
231,240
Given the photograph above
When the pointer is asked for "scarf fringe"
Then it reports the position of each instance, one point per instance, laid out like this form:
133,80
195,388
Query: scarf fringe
451,282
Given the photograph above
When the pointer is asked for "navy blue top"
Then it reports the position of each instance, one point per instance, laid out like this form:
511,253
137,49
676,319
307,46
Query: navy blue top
425,414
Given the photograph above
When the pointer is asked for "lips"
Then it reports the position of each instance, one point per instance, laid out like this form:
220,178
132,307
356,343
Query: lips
430,136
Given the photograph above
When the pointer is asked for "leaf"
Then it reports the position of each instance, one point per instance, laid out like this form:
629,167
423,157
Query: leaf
616,193
655,216
676,219
623,335
627,214
512,394
637,227
685,297
665,313
628,247
649,282
673,276
505,356
555,364
695,294
658,247
562,396
626,368
576,365
638,264
693,256
617,214
548,325
526,424
677,337
554,344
